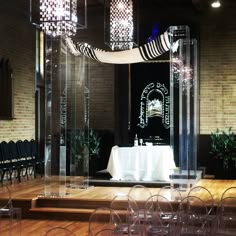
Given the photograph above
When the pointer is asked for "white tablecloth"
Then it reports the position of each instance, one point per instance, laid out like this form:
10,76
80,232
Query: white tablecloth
146,163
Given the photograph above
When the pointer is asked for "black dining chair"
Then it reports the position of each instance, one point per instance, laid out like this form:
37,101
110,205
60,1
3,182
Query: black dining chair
10,160
39,161
31,159
18,166
4,164
23,158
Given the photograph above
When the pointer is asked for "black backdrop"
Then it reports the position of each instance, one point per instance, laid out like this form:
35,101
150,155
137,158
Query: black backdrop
150,80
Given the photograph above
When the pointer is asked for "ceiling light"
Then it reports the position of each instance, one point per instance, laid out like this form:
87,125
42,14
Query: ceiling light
216,4
120,24
58,17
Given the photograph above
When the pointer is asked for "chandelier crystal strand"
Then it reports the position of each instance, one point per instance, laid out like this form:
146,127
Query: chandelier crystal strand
121,24
58,17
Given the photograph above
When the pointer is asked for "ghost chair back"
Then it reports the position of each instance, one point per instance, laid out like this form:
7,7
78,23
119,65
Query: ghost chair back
56,231
225,222
204,194
139,194
105,232
160,215
127,209
192,217
103,218
10,216
229,192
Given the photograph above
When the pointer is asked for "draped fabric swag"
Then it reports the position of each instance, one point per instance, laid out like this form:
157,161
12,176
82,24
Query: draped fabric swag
148,51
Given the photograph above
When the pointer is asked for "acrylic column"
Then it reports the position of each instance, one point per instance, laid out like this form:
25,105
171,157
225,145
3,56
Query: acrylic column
62,71
61,74
184,105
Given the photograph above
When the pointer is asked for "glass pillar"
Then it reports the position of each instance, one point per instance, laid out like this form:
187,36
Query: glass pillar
184,104
78,122
55,90
67,99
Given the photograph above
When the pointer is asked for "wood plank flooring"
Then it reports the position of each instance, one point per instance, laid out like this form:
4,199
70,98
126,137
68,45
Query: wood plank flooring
29,191
30,227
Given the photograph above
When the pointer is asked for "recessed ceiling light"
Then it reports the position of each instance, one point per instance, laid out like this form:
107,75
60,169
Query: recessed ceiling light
216,4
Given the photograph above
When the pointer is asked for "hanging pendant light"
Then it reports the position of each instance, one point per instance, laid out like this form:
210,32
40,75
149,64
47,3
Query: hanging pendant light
59,17
120,24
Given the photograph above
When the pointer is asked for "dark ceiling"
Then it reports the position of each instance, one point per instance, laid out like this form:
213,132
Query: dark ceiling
197,4
200,6
164,11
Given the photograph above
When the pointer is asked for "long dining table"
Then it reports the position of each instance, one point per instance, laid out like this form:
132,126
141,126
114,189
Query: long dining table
147,163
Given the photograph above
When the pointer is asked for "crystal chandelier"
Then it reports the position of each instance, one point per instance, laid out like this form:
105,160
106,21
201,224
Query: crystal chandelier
121,26
58,17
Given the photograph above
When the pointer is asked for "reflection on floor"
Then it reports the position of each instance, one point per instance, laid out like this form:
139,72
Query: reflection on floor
74,208
33,196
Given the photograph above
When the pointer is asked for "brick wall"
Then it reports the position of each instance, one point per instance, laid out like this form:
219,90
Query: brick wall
102,96
17,42
218,71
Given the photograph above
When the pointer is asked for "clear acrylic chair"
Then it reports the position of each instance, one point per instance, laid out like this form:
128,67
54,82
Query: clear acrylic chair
10,217
159,216
225,221
101,219
192,214
139,194
59,231
105,232
229,192
126,208
171,193
204,194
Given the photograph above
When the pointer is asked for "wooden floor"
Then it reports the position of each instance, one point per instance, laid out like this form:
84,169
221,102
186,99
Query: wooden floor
32,189
73,210
31,227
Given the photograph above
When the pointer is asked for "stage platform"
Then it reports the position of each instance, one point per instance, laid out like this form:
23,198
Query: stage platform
78,203
126,183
